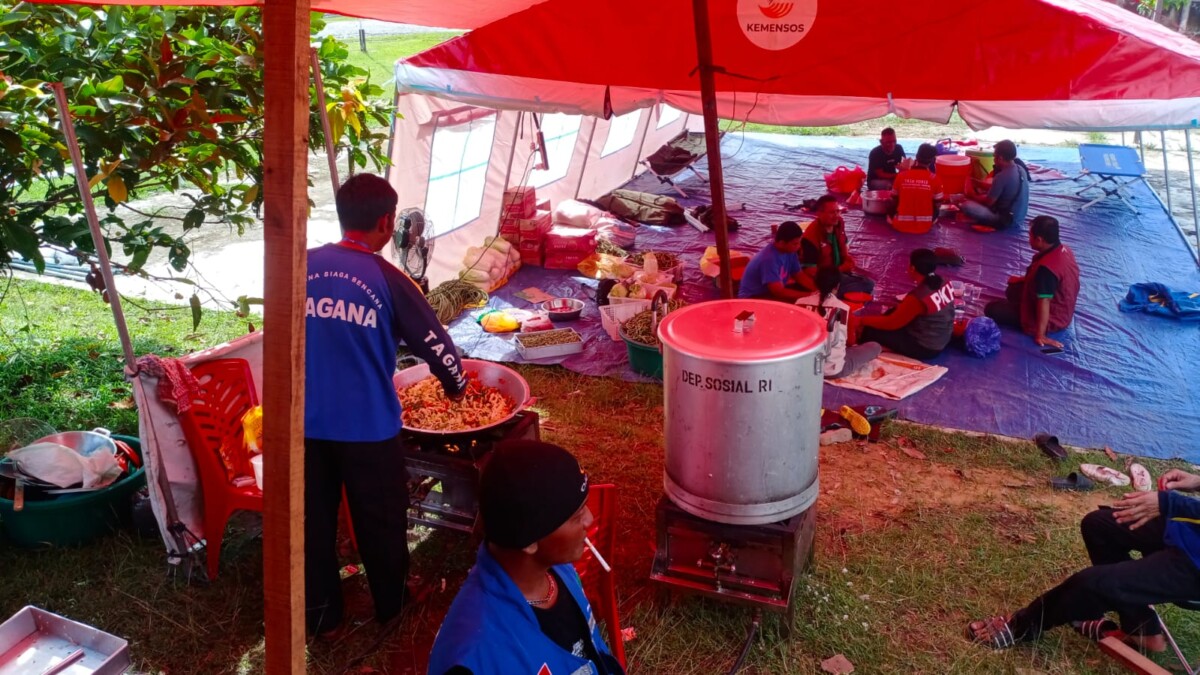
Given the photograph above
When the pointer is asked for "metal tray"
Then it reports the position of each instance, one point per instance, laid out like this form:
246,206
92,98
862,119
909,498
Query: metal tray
550,351
35,641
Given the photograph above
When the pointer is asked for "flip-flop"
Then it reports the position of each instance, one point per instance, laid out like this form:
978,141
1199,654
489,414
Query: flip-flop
998,636
1142,481
1050,447
1096,629
1073,482
983,229
1104,474
948,256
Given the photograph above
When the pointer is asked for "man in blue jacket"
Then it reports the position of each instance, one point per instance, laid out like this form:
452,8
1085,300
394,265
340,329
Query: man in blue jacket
521,610
358,309
1164,526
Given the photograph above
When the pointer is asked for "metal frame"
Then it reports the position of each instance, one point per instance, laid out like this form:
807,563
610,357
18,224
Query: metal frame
1168,204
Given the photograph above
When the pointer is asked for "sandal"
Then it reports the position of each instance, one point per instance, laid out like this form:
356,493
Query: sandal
1074,482
993,632
1142,482
1096,629
1104,474
1050,447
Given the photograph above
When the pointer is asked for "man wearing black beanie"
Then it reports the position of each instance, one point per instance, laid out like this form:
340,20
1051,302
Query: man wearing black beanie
522,608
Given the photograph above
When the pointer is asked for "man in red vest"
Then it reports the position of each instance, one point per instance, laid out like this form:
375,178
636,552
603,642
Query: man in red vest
1042,301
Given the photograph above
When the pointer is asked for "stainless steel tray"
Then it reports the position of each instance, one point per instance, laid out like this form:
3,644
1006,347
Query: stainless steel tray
37,642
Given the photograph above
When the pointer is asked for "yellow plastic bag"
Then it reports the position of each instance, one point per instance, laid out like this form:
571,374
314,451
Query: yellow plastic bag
497,321
605,266
252,429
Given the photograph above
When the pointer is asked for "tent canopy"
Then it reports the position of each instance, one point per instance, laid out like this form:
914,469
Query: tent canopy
1060,64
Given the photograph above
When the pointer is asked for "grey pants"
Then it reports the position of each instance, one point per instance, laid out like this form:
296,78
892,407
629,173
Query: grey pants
980,213
857,357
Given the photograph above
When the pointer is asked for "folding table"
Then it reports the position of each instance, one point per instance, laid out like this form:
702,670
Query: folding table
1116,164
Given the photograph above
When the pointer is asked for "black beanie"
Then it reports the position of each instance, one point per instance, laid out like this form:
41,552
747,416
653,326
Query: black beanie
527,491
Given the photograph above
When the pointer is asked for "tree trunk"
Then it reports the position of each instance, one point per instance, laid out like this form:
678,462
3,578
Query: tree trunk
1157,10
1184,14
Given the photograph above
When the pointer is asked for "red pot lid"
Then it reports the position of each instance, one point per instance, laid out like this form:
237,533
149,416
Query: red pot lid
706,331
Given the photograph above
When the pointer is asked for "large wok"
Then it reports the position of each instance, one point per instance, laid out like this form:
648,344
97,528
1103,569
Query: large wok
507,380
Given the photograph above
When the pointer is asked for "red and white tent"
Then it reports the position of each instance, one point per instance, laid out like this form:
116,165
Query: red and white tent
1056,64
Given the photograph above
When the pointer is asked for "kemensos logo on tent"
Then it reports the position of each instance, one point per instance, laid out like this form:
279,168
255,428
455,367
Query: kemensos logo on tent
775,25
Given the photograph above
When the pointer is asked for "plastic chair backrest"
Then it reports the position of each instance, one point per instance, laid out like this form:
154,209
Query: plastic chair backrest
602,503
213,425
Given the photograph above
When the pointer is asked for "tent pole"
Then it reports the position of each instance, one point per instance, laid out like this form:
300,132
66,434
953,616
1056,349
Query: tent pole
712,139
330,150
1187,137
1162,137
1141,147
285,136
89,207
637,159
586,153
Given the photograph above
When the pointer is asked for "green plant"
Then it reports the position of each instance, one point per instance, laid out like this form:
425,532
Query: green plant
161,99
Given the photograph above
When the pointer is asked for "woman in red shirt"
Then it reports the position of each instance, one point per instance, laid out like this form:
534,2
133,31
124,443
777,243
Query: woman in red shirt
921,326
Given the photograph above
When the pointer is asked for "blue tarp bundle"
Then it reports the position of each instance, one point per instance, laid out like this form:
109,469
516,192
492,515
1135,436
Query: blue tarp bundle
1154,298
1126,380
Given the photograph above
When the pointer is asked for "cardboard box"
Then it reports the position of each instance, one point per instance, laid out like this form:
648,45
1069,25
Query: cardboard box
564,260
537,226
531,252
570,240
519,202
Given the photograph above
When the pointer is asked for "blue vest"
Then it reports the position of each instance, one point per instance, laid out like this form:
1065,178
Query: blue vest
492,630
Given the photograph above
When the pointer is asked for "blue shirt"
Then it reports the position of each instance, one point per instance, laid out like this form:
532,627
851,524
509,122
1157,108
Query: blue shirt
766,267
358,308
1010,192
491,630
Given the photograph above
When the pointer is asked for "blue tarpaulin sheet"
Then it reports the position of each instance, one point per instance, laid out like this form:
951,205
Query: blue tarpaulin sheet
1125,380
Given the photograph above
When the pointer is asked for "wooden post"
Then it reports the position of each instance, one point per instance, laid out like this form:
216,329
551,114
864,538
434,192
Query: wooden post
1130,658
285,146
712,139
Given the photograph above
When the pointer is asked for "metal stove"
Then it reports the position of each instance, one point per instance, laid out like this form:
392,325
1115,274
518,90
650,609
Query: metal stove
745,564
443,472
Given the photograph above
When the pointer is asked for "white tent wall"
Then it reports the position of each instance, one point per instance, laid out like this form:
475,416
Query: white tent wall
168,458
438,150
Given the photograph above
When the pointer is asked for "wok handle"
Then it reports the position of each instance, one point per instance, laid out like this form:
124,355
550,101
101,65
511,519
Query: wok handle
529,403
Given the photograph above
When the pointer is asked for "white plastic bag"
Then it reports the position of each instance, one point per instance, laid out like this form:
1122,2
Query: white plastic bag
62,466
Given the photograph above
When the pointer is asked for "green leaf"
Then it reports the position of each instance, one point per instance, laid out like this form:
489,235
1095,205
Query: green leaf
113,23
139,258
195,303
113,85
193,219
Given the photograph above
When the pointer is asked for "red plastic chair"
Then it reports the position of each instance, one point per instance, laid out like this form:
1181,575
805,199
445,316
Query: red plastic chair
599,585
215,419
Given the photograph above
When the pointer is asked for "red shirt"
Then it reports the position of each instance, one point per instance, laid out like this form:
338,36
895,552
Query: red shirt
917,188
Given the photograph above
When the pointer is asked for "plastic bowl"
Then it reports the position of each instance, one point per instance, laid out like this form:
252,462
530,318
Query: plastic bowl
256,463
858,297
563,309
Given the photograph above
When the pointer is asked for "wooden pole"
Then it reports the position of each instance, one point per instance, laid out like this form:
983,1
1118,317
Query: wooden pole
285,145
712,139
85,193
330,149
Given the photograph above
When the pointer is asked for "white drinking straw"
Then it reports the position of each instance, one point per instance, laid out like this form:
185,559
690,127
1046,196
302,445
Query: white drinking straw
599,558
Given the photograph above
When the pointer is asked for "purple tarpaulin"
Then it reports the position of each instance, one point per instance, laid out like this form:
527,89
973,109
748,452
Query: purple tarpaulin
1125,380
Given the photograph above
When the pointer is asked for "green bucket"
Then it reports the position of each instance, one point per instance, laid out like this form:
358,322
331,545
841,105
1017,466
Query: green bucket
644,359
73,520
982,163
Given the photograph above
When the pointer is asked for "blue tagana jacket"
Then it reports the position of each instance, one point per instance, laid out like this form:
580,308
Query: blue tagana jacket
1182,514
491,629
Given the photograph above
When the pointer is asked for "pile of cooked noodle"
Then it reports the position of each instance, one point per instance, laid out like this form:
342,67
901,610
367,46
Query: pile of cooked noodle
425,406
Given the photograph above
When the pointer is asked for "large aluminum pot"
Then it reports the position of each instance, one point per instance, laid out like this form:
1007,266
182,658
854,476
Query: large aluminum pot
508,381
877,202
742,409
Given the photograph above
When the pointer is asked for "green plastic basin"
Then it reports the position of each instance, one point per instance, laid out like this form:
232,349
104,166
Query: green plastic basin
73,520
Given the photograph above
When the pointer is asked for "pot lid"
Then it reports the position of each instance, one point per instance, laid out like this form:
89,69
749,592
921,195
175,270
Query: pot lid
707,331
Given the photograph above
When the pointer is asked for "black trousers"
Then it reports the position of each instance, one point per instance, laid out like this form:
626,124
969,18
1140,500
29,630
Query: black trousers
1007,312
898,341
376,486
1115,581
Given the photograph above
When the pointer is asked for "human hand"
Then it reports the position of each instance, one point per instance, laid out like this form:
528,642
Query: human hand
1044,341
457,396
1136,509
1178,479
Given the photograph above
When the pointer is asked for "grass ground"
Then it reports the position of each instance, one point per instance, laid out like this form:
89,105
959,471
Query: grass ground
909,545
383,51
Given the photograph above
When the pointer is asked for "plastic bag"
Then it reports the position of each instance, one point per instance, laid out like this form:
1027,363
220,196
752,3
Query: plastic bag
604,266
845,179
62,466
575,213
252,429
982,337
496,321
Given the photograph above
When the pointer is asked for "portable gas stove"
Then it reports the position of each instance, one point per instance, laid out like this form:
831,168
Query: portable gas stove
443,472
753,565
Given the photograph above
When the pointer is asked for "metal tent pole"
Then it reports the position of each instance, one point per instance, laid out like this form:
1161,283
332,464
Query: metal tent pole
1141,147
712,139
330,150
89,207
1162,137
1187,136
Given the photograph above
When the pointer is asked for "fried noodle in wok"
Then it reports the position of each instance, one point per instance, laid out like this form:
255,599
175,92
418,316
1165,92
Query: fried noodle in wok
426,407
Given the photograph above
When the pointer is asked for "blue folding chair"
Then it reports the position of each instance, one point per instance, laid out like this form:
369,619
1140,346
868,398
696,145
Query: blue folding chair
1117,165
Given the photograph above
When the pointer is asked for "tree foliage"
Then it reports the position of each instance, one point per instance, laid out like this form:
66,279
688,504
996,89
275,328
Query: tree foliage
163,100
